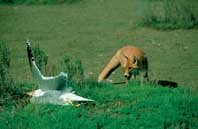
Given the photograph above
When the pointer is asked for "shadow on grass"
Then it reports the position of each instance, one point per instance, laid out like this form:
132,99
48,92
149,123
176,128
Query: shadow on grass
163,83
166,83
118,83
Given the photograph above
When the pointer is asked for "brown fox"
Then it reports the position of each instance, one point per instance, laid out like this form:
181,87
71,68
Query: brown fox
132,60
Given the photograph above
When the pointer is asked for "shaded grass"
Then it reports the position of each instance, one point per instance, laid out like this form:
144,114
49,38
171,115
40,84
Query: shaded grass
115,107
33,2
170,14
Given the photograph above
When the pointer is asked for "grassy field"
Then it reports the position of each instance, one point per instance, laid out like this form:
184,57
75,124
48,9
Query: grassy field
116,107
92,31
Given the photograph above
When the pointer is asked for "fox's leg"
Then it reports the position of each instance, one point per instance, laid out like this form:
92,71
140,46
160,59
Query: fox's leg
144,71
146,75
143,77
128,79
109,68
133,76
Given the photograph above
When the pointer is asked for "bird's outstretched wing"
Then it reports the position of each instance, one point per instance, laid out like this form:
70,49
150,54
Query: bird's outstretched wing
58,82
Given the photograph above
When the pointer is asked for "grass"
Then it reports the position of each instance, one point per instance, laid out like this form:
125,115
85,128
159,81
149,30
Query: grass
92,31
115,107
67,29
36,2
170,14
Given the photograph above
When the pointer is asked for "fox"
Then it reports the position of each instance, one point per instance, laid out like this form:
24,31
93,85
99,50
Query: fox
132,60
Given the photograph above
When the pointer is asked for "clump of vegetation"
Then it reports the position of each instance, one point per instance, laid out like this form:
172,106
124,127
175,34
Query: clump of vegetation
10,92
6,83
4,62
41,58
39,1
74,69
171,14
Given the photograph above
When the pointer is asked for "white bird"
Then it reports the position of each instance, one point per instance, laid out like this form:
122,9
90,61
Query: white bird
58,82
52,89
56,97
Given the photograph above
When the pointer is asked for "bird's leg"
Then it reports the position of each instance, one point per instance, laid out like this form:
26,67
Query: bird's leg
69,102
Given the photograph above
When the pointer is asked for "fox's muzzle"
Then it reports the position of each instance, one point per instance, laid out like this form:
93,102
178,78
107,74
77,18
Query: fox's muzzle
126,75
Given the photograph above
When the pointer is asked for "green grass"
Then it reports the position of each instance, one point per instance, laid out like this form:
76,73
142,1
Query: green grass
116,107
170,14
36,2
92,31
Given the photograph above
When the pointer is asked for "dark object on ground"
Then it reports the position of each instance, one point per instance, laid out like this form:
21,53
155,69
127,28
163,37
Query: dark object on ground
116,83
166,83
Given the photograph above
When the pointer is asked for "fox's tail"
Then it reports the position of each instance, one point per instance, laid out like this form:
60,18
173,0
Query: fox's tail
109,68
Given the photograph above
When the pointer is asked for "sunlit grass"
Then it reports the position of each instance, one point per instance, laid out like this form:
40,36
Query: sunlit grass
92,31
129,106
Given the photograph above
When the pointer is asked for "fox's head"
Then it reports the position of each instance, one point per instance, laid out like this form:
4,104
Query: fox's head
129,65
